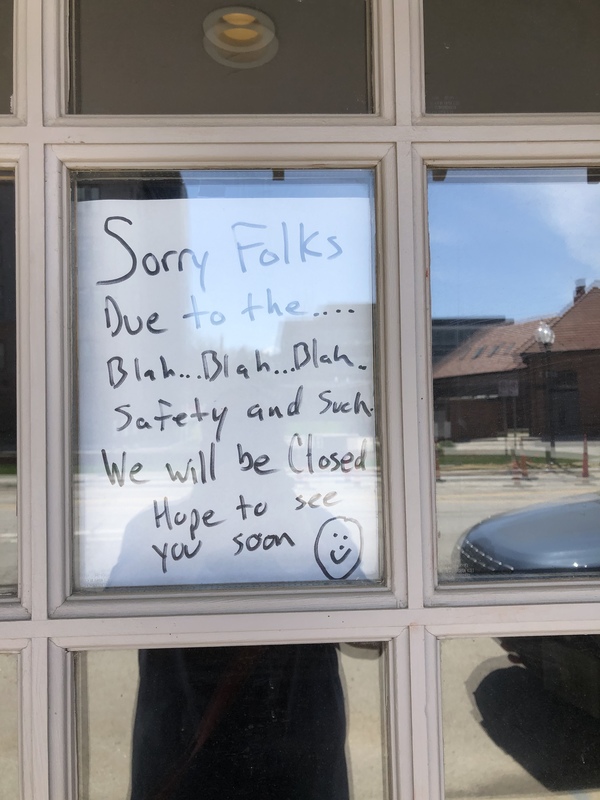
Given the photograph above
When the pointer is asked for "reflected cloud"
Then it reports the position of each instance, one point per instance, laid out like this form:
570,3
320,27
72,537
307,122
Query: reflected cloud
572,211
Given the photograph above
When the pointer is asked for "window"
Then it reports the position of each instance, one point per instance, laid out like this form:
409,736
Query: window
390,673
252,63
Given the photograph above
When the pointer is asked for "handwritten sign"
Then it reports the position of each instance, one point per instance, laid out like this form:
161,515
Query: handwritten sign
226,414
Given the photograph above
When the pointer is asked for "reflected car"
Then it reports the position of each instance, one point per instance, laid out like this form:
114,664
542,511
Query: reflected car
548,539
560,537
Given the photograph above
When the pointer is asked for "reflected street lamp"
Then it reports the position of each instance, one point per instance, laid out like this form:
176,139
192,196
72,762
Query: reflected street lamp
545,336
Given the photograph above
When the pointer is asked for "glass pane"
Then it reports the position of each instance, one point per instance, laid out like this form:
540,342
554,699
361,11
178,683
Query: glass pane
521,717
516,366
8,390
226,413
9,726
290,721
511,56
204,57
6,56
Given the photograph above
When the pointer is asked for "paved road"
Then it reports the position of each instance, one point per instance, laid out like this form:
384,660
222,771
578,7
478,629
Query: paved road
464,498
531,446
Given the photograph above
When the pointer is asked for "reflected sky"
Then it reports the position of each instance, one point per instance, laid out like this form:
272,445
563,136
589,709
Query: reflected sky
511,242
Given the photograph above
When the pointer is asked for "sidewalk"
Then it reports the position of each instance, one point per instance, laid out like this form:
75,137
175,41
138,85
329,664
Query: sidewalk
533,446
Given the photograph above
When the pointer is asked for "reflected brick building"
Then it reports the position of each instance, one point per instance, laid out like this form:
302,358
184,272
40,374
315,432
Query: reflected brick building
501,379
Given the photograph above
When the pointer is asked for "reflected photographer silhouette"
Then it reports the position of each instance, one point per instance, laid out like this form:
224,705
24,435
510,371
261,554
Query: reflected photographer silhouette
262,722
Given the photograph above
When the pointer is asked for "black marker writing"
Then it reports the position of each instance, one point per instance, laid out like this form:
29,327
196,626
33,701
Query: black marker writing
248,462
115,320
116,475
117,374
202,473
358,406
256,541
176,554
256,411
193,518
151,264
305,354
258,510
303,454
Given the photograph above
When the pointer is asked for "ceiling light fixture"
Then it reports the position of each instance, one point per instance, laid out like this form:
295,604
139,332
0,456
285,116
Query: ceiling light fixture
240,37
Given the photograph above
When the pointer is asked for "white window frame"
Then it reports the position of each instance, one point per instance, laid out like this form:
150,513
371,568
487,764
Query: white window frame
46,624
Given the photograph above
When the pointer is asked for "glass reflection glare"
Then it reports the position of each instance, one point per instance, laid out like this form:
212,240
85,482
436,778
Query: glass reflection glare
516,416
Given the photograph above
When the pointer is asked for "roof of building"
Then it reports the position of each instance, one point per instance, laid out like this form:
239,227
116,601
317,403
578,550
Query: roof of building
496,348
578,328
499,348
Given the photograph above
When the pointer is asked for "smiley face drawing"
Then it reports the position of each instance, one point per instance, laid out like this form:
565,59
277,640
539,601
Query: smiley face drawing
338,547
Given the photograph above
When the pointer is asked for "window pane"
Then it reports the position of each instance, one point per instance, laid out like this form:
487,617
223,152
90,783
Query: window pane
202,57
261,722
9,726
6,56
521,717
511,56
226,413
516,371
8,390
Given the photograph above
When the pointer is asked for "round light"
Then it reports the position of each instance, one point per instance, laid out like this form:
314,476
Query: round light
240,37
237,18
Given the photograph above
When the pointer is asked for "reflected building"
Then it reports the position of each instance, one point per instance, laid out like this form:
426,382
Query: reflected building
448,333
501,379
569,372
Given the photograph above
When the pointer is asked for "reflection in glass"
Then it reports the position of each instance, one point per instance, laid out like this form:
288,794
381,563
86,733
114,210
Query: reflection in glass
516,370
521,717
289,721
8,389
192,57
226,412
6,56
510,56
9,726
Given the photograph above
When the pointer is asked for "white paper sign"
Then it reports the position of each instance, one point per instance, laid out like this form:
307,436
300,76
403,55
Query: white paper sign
226,417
